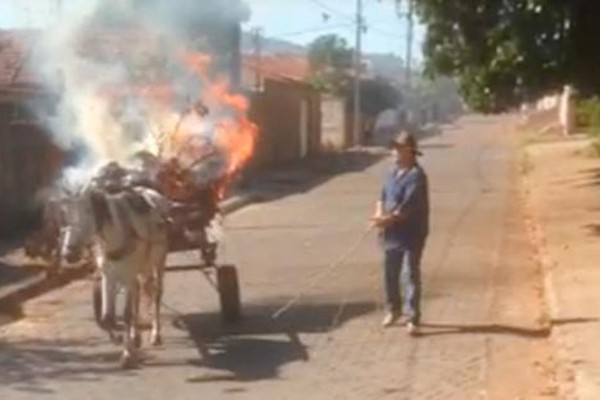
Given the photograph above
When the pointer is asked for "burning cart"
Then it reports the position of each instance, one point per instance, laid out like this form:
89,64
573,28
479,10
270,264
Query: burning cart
193,193
192,214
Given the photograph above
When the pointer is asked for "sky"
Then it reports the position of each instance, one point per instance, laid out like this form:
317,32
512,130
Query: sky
301,21
298,21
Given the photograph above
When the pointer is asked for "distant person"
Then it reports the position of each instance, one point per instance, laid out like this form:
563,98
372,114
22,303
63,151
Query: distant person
402,215
565,111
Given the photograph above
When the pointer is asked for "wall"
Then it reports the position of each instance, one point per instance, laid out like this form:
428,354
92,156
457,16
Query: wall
333,123
277,110
28,162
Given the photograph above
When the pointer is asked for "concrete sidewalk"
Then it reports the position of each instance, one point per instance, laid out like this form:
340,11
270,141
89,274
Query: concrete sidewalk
563,184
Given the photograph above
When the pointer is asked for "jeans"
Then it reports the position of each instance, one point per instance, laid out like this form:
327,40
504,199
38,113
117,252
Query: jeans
402,278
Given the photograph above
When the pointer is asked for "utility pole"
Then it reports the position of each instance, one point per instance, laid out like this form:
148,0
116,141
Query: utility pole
409,40
257,40
410,28
357,131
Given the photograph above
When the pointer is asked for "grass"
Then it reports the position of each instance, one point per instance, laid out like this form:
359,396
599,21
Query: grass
529,139
595,147
526,164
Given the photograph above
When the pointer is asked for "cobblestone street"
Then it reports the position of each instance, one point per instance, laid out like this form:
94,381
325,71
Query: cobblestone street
485,332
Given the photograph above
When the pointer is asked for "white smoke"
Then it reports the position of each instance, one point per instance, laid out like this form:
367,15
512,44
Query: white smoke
86,57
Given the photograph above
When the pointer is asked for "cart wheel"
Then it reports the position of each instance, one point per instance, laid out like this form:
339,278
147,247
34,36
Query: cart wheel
229,293
97,301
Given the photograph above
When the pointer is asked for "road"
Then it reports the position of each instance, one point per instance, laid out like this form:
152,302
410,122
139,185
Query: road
483,335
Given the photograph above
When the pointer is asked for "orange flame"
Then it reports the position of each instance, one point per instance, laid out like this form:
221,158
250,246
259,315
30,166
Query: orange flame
234,133
185,136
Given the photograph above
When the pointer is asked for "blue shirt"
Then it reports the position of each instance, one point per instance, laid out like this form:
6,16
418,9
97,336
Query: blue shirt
406,191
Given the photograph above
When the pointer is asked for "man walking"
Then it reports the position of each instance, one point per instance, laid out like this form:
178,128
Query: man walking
402,214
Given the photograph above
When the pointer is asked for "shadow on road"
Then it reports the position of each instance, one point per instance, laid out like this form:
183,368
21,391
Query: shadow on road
436,146
434,329
254,349
306,175
30,365
589,177
10,274
593,228
259,346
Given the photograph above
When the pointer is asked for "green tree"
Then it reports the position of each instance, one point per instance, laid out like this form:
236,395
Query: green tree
329,52
508,51
377,95
330,61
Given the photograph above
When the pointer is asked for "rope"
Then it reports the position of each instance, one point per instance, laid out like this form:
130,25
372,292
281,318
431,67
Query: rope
328,270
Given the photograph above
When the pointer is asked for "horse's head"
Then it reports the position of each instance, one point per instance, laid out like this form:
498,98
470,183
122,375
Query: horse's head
84,211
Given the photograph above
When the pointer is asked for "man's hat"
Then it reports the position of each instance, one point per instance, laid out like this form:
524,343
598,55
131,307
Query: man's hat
405,139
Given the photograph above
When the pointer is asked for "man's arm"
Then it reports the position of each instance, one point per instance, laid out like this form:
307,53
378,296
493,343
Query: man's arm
404,205
378,209
378,212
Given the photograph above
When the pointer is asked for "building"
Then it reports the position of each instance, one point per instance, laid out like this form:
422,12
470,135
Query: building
28,159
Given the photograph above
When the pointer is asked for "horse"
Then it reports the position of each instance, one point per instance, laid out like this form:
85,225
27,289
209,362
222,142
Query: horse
45,241
129,237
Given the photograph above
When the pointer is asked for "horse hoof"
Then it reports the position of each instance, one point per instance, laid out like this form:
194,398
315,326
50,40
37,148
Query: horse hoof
128,361
116,339
108,323
156,340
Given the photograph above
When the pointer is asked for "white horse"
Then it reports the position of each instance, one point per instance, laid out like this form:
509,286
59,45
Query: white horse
129,235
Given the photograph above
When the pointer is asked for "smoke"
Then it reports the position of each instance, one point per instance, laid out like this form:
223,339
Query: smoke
125,77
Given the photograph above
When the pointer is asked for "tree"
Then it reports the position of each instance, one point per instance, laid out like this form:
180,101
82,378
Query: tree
377,95
331,64
329,52
330,60
508,51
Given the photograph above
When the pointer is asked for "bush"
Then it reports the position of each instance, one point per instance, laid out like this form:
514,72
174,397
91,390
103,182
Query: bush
587,115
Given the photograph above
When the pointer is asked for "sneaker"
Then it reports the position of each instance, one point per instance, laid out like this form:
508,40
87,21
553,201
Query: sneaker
412,329
389,320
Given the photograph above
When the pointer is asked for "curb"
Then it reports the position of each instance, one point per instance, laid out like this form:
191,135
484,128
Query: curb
569,378
234,203
13,295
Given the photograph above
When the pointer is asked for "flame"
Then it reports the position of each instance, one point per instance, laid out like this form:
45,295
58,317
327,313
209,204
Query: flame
234,133
186,134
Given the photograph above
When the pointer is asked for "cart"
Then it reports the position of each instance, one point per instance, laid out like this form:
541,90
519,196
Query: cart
189,231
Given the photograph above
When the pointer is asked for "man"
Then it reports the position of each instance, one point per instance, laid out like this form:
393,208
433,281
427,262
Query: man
402,214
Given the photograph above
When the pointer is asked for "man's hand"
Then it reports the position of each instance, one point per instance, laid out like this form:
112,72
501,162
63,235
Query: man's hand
382,221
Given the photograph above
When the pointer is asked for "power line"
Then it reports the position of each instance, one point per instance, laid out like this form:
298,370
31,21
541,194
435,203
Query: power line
325,7
312,30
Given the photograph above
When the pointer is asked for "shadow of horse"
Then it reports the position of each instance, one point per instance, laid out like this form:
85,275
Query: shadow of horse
257,347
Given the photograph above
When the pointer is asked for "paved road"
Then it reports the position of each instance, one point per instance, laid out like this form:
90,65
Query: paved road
483,307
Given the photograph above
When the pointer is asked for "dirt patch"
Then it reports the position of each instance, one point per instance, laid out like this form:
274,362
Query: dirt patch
525,366
561,196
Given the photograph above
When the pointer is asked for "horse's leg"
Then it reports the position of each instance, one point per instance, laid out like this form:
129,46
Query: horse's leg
135,317
109,291
128,358
158,261
132,314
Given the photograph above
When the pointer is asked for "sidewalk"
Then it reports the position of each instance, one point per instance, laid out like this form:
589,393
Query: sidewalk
563,184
